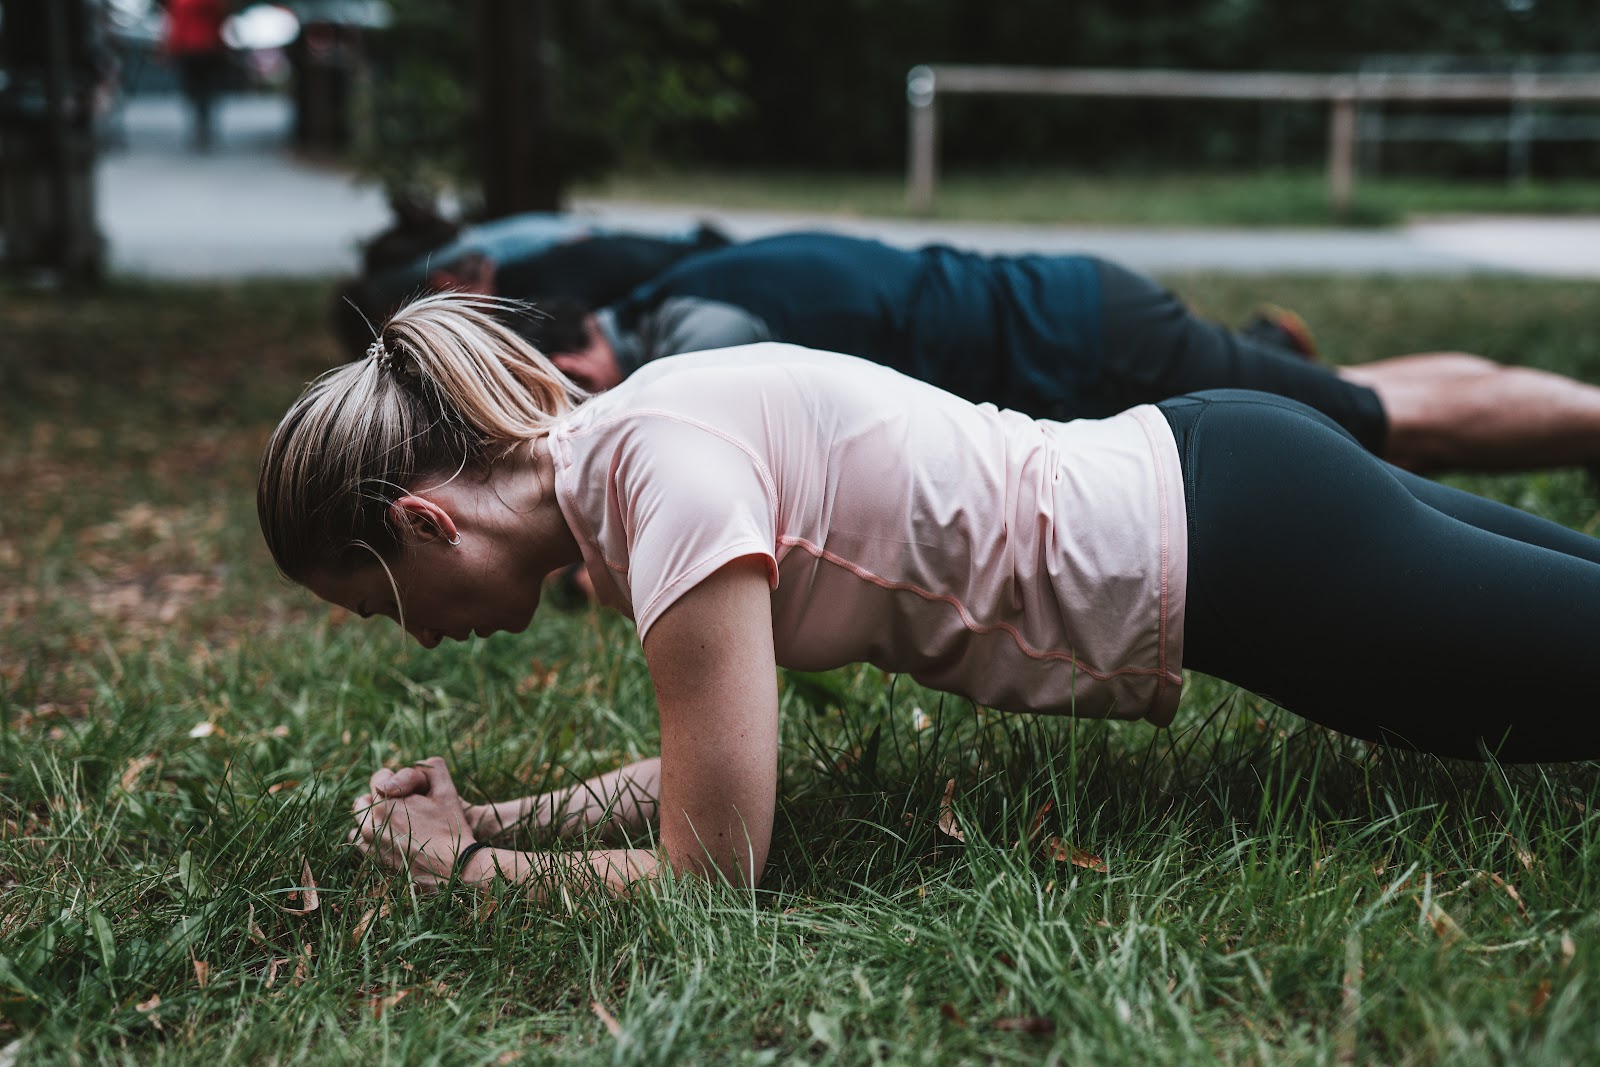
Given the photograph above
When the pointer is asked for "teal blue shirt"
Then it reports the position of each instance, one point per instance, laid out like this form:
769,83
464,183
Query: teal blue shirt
1019,331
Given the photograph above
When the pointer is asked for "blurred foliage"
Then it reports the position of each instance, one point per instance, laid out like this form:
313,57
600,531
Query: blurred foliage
821,84
624,78
826,82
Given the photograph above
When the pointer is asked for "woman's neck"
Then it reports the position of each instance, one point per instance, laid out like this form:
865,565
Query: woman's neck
525,484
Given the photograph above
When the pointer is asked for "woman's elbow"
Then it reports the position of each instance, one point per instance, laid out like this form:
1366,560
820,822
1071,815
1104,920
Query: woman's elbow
738,867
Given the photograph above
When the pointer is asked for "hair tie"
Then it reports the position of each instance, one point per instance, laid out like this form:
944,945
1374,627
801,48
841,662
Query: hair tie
388,361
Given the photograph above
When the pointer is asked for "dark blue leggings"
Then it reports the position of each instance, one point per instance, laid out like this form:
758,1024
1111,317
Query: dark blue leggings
1378,603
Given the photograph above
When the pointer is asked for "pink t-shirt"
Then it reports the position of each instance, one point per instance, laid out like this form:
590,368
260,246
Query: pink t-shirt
1028,565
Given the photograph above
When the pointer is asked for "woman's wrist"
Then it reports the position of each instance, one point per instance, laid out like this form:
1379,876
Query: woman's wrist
475,864
481,817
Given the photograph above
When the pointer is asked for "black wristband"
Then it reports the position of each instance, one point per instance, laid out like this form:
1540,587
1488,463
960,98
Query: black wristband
465,855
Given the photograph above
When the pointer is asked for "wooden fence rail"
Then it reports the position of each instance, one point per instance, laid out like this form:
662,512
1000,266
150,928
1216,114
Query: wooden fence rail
1344,92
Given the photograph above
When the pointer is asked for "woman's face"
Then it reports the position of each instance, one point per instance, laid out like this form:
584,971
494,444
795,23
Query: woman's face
444,591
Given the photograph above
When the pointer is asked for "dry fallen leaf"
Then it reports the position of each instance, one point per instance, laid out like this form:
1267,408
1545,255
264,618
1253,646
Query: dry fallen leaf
136,767
1037,822
366,921
919,719
1026,1024
254,930
1443,924
948,1010
150,1005
202,972
379,1005
1541,994
1511,891
307,894
1569,948
1089,860
947,813
203,729
537,680
144,600
613,1027
274,967
1064,852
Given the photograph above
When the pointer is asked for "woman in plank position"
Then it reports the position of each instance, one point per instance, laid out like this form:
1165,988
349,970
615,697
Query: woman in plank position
805,509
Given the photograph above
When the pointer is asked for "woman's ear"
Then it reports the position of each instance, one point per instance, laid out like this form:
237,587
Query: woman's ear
426,518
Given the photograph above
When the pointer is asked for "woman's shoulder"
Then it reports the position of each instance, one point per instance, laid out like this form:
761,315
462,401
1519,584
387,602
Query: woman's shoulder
763,357
758,393
728,375
698,386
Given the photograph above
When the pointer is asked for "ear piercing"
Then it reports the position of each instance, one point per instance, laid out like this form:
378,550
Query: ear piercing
454,541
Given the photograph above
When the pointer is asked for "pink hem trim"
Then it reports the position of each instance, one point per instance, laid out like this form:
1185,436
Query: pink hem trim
966,617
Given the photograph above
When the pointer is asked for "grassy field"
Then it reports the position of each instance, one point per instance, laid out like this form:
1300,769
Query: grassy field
1038,195
181,735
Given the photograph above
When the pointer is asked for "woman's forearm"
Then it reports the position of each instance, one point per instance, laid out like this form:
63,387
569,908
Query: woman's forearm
539,872
621,801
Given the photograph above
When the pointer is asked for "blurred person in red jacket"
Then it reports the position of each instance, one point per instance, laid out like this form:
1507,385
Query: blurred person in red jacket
194,41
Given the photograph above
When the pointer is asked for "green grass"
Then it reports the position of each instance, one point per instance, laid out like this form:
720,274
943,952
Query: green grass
1271,893
1200,198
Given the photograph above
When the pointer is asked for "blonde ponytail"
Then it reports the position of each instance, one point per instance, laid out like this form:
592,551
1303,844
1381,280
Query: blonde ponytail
495,381
446,387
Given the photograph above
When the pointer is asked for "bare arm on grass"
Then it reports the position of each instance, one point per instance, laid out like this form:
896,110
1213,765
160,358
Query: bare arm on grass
618,803
711,659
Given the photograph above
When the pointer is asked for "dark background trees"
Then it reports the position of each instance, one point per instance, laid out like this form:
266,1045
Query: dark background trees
821,84
619,82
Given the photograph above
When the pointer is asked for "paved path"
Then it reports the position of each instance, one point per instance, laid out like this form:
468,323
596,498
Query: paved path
1540,246
247,208
250,208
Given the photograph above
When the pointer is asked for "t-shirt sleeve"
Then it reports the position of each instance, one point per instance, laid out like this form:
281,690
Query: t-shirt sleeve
689,324
691,501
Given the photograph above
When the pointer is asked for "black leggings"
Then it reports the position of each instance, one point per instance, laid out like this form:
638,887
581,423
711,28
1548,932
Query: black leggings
1155,349
1378,603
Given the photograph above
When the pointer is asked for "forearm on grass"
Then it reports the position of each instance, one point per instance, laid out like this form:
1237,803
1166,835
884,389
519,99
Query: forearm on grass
619,802
540,873
711,659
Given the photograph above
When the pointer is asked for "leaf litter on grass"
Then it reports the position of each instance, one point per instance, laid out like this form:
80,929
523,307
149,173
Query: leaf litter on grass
1224,934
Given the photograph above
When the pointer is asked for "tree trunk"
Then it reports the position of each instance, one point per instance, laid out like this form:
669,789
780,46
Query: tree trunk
519,165
47,150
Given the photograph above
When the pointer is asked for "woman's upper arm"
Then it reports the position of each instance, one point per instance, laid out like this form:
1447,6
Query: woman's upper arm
711,660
